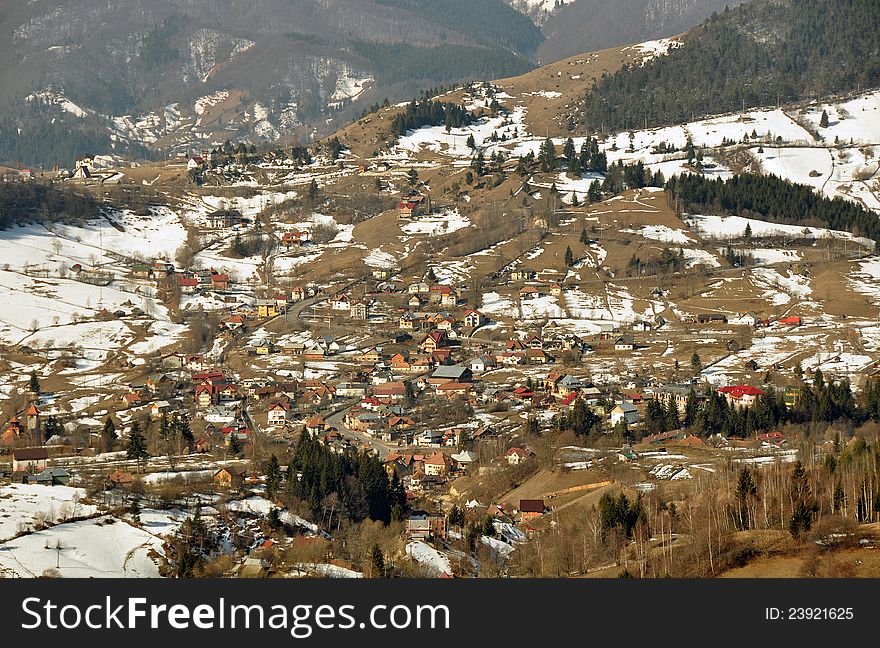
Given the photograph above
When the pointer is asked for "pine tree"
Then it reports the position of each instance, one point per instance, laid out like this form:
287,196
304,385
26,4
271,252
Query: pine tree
412,177
823,121
34,383
377,560
470,143
273,476
547,156
569,257
235,447
747,234
274,519
109,435
137,444
696,364
313,191
584,239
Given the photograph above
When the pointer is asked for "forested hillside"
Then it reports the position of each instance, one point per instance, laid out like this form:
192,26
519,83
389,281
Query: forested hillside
759,54
767,197
22,202
171,75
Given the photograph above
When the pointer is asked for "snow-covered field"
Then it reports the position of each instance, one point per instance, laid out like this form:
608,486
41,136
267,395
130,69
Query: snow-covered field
437,224
104,547
24,507
429,557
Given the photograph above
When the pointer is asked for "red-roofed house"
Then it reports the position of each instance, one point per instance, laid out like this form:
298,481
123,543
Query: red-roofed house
515,456
220,281
741,395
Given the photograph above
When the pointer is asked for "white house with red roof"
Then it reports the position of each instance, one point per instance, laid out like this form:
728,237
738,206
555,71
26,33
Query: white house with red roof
741,395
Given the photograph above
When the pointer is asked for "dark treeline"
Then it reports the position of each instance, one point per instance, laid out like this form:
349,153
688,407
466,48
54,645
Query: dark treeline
40,137
48,144
22,202
398,62
758,54
771,198
430,113
668,261
823,401
358,481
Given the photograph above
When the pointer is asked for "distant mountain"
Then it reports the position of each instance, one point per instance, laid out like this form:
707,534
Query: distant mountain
762,53
125,75
574,26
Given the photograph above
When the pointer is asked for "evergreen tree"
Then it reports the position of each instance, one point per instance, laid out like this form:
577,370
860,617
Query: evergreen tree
696,364
313,191
823,121
235,447
377,560
274,519
456,516
273,476
34,383
137,443
569,257
412,177
547,156
109,435
470,143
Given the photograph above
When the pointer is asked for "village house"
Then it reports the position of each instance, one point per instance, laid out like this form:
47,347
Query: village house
30,460
529,509
432,341
625,412
482,364
358,310
230,476
522,274
223,219
188,285
515,456
624,343
220,281
267,308
391,391
741,395
437,465
294,238
278,414
712,318
454,390
676,394
450,373
196,163
234,322
530,292
340,302
474,318
745,319
297,294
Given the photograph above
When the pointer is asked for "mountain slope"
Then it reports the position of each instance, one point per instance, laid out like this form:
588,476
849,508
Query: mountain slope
574,26
177,74
760,54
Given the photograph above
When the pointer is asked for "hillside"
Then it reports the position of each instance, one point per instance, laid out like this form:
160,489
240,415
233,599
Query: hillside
585,25
760,54
91,75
